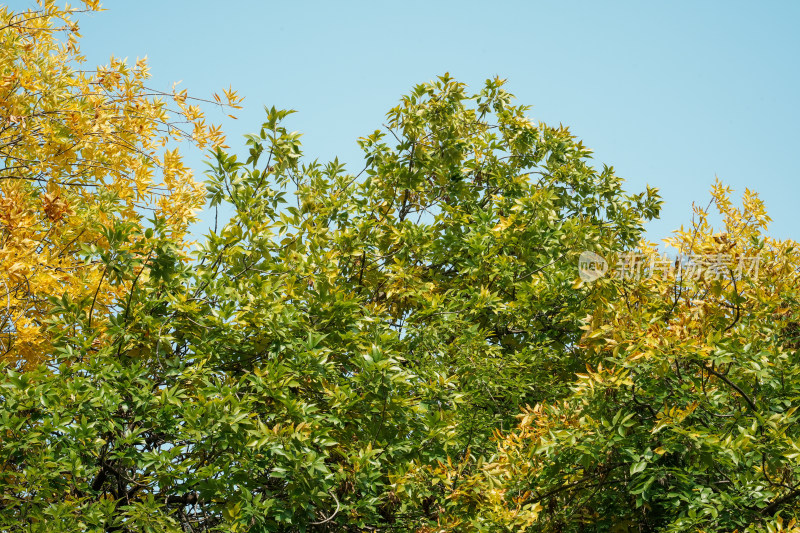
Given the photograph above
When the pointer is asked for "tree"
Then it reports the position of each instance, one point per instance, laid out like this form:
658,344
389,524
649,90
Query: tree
83,155
685,417
340,334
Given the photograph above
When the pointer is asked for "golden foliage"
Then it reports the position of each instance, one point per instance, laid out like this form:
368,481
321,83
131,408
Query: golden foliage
79,149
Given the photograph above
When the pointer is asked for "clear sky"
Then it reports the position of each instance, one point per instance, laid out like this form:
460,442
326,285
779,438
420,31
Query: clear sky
671,94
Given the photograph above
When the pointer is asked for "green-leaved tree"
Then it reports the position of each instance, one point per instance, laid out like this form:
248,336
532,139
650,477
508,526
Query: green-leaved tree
343,333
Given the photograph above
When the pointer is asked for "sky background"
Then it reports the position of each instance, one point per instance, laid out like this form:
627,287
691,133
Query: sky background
670,94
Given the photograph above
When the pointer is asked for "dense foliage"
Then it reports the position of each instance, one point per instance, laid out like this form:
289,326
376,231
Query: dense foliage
685,417
407,347
80,150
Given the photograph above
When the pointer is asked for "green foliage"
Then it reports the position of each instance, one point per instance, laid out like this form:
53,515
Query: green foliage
339,338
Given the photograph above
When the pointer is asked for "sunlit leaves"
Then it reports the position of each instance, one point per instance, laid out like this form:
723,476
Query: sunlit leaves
79,149
688,421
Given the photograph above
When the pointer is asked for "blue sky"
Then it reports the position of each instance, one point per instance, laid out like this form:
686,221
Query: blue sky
670,94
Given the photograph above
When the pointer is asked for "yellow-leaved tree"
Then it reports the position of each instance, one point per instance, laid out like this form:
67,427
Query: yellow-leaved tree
84,155
686,418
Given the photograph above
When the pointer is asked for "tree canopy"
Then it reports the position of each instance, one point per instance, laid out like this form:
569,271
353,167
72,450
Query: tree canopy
404,346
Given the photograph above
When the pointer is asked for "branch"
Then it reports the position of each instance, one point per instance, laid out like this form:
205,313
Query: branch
772,507
331,516
94,300
730,384
41,180
190,498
